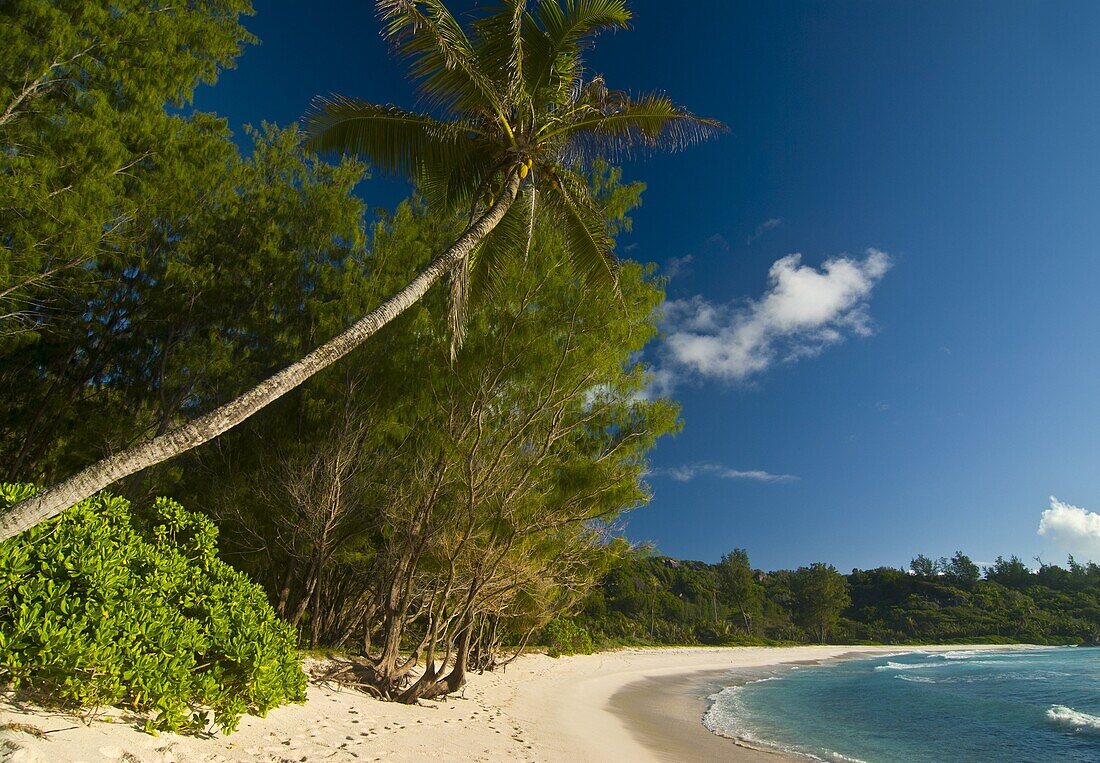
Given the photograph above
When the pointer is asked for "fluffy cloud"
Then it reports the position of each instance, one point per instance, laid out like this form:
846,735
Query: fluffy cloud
689,472
804,311
1073,528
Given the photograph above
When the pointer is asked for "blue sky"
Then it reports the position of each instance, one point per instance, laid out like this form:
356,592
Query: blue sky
924,377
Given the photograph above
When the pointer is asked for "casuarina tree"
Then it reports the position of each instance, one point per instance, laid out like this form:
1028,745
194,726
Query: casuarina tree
511,122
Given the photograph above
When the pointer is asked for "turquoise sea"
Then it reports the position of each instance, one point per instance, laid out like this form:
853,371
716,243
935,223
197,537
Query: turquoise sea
1031,705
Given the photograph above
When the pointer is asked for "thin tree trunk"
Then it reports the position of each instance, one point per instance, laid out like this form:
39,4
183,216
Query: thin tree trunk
284,590
83,484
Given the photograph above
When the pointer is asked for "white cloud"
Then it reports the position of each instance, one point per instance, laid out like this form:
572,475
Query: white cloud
1073,528
677,266
688,472
715,244
804,311
764,227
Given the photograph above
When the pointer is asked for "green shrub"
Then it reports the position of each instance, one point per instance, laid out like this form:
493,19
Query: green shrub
563,636
94,612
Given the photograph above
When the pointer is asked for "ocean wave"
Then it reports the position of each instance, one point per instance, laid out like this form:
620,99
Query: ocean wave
725,717
1061,715
838,758
963,654
891,665
986,678
731,690
910,666
1010,663
1013,653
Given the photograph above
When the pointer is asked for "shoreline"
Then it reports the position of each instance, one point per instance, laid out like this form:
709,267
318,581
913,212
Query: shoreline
633,704
665,713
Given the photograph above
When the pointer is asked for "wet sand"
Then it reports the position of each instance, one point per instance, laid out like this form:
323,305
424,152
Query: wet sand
665,714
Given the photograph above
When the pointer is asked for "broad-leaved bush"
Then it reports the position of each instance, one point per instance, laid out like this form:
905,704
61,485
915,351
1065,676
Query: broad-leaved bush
96,611
563,636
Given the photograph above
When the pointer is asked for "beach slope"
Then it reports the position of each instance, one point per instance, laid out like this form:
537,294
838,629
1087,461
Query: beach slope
634,704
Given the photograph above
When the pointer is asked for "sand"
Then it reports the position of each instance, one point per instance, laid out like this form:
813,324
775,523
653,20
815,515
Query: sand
638,705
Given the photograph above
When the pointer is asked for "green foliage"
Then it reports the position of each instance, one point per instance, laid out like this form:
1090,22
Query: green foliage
646,599
923,567
563,636
818,595
105,192
204,300
738,587
88,152
961,571
494,479
1011,573
95,612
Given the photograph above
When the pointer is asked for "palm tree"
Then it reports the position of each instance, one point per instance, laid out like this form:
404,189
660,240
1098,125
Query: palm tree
510,116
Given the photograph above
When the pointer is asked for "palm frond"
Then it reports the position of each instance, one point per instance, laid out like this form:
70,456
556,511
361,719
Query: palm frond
558,33
583,226
456,186
533,196
392,139
508,239
609,123
573,24
500,47
440,54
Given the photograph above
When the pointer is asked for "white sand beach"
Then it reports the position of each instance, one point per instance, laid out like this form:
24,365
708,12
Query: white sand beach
636,704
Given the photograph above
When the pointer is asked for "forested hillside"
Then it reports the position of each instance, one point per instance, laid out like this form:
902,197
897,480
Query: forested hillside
653,599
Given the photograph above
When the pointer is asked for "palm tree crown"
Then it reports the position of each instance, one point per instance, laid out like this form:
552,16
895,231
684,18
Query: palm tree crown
507,100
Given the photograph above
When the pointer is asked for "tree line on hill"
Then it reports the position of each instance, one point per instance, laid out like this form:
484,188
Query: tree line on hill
646,598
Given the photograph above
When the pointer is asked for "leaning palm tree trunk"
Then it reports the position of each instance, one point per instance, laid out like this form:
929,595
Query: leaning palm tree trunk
85,483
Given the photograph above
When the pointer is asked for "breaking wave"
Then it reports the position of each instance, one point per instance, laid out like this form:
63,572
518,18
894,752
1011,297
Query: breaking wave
1045,707
910,666
1060,715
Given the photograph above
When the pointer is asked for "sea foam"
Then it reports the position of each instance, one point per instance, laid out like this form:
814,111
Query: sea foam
909,666
1045,710
1074,719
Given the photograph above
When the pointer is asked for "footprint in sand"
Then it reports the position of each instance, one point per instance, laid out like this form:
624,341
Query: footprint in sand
117,753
